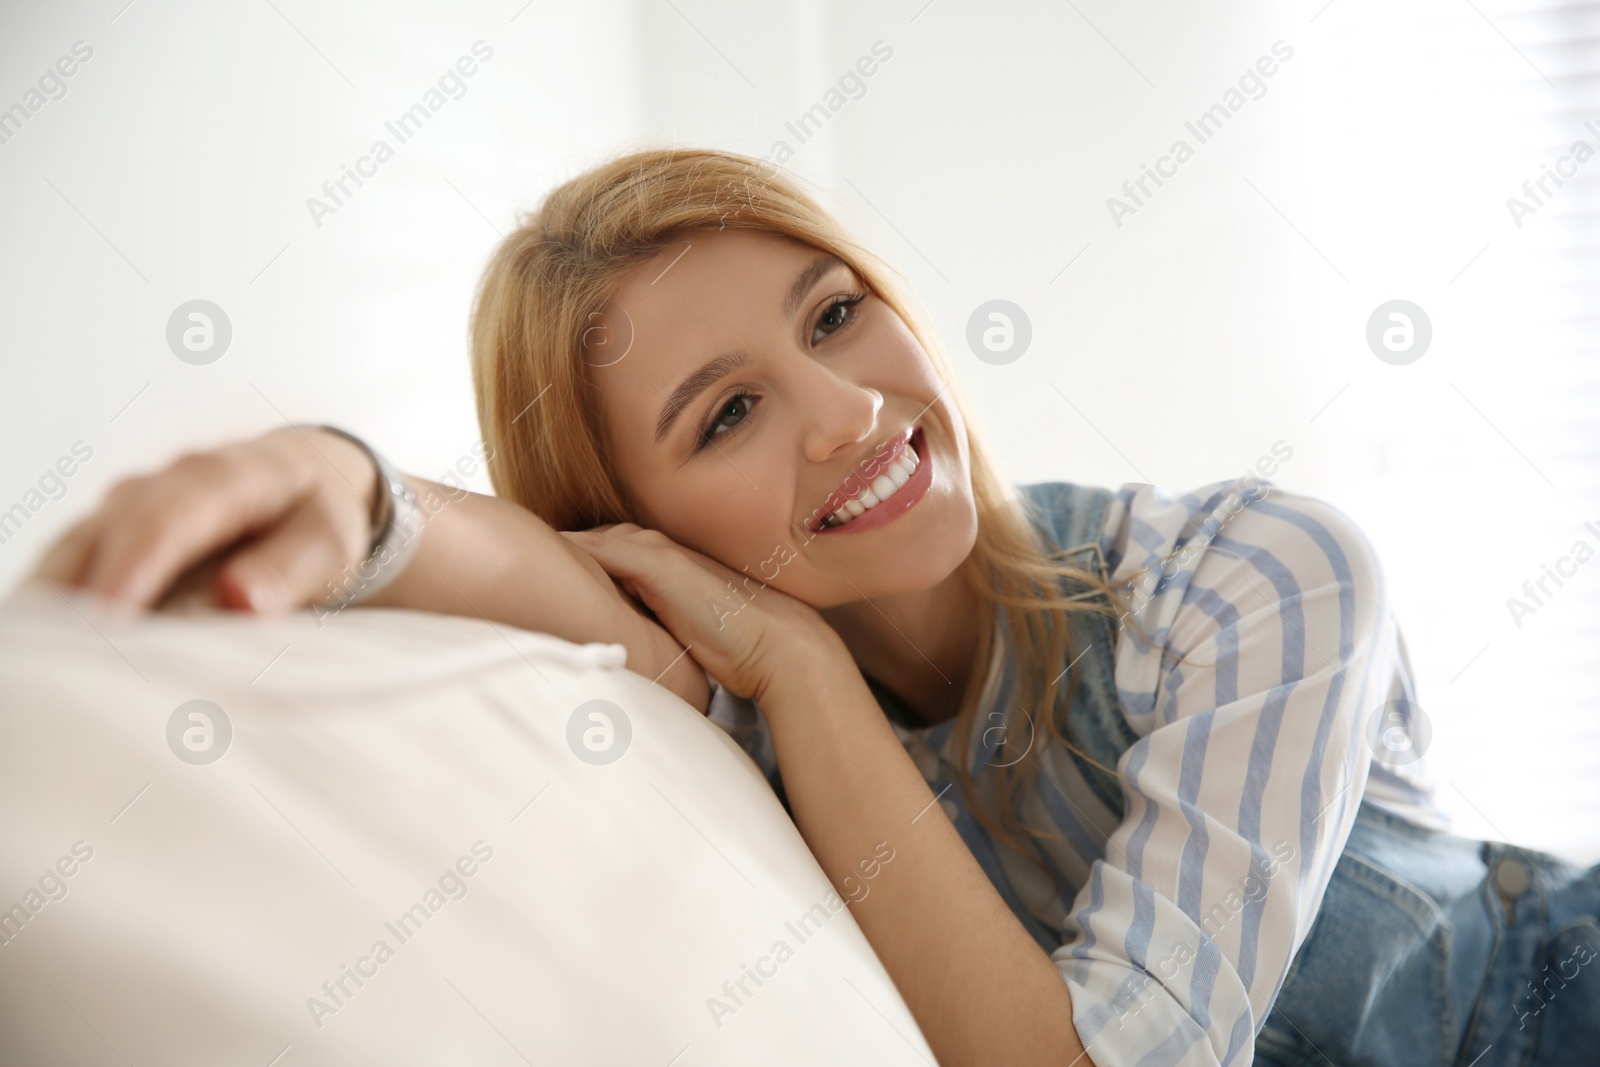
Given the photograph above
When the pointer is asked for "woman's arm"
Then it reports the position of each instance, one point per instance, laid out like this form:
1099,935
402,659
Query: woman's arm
977,983
276,522
1245,781
486,557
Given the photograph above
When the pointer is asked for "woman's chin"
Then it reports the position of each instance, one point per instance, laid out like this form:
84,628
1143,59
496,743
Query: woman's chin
913,554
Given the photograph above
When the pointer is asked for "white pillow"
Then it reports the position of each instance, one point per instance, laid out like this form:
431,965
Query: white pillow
157,910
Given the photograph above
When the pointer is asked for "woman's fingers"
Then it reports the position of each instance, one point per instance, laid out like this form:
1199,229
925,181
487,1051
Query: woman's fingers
261,524
157,526
289,563
624,533
64,562
684,590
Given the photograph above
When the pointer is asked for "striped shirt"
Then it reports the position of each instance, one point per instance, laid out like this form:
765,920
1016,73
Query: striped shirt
1175,925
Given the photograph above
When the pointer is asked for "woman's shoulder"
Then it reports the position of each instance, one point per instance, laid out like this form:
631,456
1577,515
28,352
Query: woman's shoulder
1247,575
1069,514
1143,528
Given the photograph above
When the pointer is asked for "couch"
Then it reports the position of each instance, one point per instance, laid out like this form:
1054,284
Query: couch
393,837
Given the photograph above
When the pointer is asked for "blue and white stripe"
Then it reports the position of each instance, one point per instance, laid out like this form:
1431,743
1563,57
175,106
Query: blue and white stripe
1250,759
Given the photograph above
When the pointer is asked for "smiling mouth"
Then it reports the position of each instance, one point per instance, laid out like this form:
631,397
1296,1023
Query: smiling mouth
878,482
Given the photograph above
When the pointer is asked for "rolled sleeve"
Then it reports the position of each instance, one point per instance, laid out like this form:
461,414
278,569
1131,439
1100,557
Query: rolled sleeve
1245,781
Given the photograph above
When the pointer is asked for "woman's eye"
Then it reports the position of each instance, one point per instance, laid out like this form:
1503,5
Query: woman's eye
837,316
733,412
728,416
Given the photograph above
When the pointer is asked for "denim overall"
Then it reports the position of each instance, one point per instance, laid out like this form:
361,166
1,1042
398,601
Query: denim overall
1429,950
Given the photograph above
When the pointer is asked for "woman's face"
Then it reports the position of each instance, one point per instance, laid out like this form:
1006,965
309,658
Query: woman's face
750,386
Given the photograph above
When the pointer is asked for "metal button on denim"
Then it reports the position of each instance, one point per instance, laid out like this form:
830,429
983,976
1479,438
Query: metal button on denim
1512,877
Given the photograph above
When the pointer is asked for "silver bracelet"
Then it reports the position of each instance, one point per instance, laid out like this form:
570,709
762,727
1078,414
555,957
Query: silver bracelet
397,528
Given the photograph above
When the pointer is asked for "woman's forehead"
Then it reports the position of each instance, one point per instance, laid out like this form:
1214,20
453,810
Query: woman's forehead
702,284
741,257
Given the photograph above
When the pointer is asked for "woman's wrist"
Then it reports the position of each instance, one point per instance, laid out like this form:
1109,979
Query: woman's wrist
653,653
488,557
394,527
446,571
808,663
353,463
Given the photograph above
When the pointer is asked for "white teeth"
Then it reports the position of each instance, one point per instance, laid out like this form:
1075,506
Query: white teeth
890,479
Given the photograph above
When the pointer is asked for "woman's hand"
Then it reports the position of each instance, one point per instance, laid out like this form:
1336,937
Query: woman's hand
652,650
745,634
261,524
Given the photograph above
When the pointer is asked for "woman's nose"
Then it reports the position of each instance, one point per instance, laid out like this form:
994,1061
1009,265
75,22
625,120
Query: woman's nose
834,412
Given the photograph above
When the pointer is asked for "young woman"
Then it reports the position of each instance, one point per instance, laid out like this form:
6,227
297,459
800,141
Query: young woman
1148,762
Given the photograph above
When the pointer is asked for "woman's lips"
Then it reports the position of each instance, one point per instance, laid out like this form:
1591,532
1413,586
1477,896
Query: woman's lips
904,499
863,475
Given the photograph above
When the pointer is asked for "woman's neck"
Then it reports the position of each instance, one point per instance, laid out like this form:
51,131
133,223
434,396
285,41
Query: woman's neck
918,645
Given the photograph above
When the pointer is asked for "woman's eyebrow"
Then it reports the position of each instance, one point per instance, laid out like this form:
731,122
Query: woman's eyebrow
694,385
723,365
808,278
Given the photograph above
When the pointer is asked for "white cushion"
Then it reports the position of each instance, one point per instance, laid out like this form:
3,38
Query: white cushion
369,756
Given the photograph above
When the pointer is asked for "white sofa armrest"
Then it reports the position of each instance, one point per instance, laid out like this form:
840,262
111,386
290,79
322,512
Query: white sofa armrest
405,853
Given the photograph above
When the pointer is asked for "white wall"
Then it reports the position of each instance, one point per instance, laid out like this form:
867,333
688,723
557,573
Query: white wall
1228,313
179,166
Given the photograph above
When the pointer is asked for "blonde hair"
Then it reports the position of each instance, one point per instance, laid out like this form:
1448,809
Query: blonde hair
543,291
